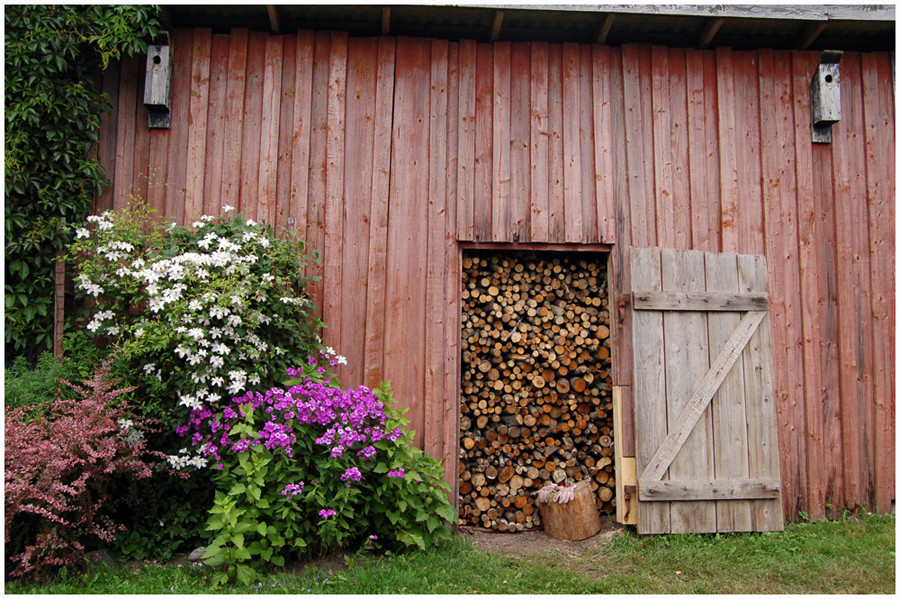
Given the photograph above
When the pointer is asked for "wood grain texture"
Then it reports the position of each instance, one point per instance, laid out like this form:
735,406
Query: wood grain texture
199,111
603,159
540,142
234,111
378,229
125,132
436,294
648,345
520,144
359,159
500,168
176,167
571,145
216,126
270,126
878,100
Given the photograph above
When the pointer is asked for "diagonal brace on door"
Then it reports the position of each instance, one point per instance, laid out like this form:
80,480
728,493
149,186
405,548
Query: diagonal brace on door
702,395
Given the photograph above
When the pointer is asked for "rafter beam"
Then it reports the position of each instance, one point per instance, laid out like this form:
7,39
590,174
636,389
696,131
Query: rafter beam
274,23
386,20
709,32
811,33
495,27
605,27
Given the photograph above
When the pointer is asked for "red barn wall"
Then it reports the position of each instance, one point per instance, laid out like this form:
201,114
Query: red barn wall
385,153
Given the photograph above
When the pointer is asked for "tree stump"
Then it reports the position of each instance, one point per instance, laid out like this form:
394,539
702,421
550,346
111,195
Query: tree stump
575,520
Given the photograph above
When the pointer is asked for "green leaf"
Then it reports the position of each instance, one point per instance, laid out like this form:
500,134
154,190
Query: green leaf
261,528
237,489
246,574
381,468
238,541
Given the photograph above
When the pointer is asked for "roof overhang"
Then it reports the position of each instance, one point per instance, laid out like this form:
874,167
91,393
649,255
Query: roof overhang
741,27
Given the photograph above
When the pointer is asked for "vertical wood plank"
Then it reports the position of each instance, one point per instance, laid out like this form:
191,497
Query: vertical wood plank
404,351
283,188
648,345
270,124
484,165
359,159
686,361
590,232
700,206
646,110
500,171
141,171
747,123
662,142
436,294
762,438
452,282
639,197
678,119
603,169
465,215
378,229
301,127
619,262
556,217
127,105
854,307
234,110
812,285
878,99
108,135
830,398
332,256
251,134
729,419
519,142
728,165
216,126
318,161
176,166
199,111
571,143
779,197
713,193
540,148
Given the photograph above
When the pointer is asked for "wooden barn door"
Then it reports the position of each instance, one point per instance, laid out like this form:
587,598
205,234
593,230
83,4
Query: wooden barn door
705,430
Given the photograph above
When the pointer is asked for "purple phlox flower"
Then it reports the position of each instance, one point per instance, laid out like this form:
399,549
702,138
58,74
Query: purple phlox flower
351,474
326,513
208,449
397,473
373,537
241,446
367,453
292,489
229,414
196,438
181,430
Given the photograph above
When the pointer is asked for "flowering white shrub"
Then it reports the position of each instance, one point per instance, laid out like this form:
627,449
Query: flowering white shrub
199,313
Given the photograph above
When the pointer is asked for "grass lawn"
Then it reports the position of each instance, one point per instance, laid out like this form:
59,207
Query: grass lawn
854,555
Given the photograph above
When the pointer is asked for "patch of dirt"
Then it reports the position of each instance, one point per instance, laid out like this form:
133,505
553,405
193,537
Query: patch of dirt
536,542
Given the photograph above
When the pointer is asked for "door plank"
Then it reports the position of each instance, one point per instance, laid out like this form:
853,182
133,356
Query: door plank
729,418
709,490
687,360
650,420
700,301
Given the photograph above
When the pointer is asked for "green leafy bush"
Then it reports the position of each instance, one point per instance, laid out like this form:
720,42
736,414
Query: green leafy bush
310,468
52,120
25,385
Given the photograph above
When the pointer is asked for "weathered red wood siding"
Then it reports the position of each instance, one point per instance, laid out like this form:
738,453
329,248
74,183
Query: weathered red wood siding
385,153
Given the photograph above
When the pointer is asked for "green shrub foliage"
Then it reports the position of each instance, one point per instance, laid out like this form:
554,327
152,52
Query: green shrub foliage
53,109
311,468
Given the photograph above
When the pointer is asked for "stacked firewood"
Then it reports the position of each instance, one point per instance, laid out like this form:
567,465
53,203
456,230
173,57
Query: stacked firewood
536,398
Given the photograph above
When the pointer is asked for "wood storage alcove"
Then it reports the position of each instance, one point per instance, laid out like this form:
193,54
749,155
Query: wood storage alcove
536,385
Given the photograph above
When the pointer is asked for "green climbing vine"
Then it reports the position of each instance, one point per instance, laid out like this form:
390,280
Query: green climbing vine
53,108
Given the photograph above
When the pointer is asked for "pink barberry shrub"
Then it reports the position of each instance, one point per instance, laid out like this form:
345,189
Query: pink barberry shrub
65,472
